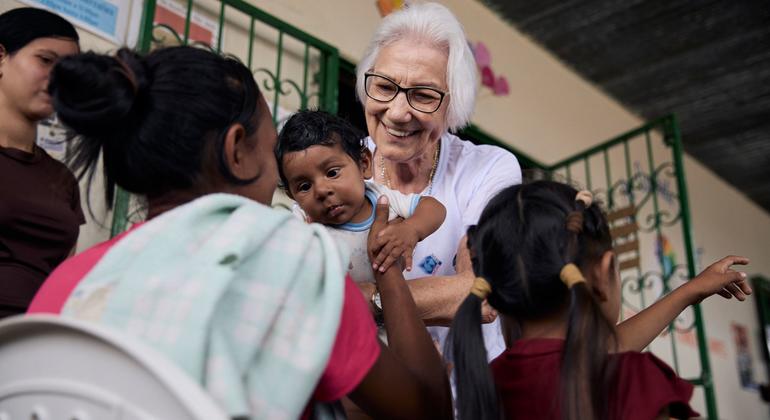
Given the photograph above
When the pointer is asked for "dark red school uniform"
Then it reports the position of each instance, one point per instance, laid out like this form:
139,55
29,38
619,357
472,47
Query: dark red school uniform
527,379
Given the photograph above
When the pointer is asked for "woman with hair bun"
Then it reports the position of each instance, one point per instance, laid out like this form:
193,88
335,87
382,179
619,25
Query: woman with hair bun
40,212
249,301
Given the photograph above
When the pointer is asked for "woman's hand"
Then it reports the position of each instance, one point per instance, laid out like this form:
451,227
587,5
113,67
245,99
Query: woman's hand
720,279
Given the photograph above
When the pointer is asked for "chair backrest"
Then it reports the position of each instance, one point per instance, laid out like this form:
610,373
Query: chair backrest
56,368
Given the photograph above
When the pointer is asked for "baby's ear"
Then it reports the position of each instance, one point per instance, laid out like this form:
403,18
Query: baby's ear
286,190
603,277
366,163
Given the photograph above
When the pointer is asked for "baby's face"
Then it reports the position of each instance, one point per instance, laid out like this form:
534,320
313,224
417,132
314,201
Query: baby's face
327,184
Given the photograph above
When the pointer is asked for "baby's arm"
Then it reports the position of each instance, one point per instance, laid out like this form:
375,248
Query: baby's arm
399,239
637,332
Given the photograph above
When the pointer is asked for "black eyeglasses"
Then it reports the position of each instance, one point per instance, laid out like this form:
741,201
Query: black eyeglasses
422,98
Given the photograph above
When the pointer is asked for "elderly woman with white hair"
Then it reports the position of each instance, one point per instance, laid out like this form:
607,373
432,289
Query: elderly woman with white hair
418,82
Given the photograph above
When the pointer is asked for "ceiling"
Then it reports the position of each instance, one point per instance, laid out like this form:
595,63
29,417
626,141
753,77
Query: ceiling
706,61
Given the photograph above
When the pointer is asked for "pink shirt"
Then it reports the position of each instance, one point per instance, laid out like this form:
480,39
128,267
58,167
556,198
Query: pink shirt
355,349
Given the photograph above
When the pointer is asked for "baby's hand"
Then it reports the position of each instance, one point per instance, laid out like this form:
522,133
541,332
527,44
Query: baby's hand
719,278
395,241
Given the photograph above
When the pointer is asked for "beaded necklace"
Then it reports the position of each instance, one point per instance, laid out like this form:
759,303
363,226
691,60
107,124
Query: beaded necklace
384,174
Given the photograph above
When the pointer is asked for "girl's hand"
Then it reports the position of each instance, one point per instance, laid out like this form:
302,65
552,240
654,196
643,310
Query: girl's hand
393,242
380,224
719,278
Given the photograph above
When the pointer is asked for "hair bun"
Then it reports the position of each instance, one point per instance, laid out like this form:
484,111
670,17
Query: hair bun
94,94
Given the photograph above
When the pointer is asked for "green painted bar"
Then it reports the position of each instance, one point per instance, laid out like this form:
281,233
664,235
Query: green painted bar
221,27
655,205
588,174
672,334
119,212
629,174
672,128
251,43
305,68
187,21
145,34
331,78
608,175
277,79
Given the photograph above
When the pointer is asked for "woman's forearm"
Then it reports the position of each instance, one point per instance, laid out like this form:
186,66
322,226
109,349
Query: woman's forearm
437,298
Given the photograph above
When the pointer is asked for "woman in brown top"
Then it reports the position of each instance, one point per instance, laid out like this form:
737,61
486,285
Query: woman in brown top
40,210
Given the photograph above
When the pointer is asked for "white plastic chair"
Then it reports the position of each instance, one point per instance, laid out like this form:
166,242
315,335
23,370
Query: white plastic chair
55,368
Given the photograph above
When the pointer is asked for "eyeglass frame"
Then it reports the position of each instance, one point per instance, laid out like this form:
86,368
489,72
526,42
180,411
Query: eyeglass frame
406,91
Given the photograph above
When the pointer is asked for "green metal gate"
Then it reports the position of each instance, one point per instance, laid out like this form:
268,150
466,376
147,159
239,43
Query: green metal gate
294,70
640,175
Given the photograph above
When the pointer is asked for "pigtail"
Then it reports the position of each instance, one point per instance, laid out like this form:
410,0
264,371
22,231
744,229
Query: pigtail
584,370
476,395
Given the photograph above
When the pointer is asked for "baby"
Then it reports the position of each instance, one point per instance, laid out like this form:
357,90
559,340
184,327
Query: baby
324,166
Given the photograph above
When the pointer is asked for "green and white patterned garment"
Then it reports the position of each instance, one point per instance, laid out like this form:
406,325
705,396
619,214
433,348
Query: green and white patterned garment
245,298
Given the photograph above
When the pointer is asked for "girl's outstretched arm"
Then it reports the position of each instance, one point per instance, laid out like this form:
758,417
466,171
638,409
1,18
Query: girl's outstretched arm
637,332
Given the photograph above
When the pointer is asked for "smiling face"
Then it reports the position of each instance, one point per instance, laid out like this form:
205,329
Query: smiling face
400,132
328,184
24,81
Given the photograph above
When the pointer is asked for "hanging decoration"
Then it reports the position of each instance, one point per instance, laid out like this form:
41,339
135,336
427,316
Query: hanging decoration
387,7
666,255
498,84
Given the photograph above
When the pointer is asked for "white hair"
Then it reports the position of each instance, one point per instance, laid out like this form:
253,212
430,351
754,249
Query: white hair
435,24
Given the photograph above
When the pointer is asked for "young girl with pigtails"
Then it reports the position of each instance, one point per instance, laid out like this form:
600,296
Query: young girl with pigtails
543,256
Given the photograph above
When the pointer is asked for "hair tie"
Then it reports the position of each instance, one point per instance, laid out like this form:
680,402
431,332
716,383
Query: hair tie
128,73
570,274
575,222
586,197
481,288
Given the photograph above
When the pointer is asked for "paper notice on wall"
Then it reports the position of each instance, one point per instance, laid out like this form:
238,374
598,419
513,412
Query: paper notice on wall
203,29
109,19
52,137
743,359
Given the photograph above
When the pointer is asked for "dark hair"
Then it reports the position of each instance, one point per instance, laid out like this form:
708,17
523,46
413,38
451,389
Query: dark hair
19,27
311,128
524,237
157,119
